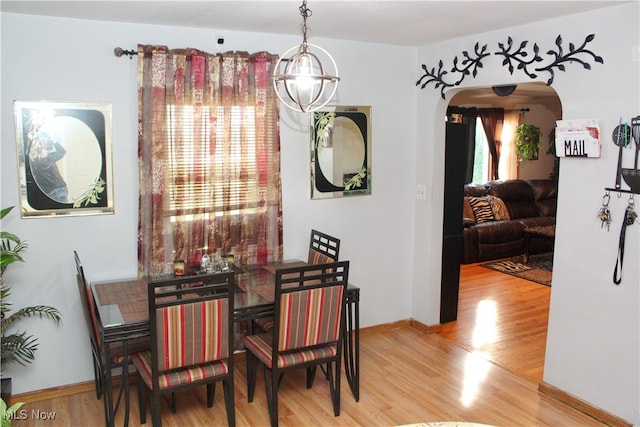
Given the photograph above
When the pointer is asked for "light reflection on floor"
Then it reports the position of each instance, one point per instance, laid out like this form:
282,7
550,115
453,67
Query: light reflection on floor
476,366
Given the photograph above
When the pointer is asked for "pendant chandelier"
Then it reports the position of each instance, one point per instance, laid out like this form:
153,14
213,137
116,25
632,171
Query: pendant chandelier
301,81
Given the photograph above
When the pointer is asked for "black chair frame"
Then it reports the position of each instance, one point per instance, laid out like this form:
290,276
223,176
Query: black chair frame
325,244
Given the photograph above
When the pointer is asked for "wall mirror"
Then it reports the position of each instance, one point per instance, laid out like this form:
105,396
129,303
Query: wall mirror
64,158
340,151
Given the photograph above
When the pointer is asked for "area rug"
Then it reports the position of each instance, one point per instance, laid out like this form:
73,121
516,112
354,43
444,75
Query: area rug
538,269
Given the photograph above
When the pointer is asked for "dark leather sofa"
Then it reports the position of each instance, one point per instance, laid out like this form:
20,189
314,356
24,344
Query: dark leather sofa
516,204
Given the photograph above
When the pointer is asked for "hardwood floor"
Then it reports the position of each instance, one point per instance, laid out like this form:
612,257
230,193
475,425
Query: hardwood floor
408,376
502,319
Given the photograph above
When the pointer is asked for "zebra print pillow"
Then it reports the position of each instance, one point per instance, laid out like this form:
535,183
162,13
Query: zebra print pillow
481,209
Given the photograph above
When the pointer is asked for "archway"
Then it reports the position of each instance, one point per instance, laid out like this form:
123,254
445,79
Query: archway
544,108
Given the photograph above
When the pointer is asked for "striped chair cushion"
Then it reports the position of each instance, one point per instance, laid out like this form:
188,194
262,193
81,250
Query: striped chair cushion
265,323
142,361
133,346
92,311
192,334
316,257
261,347
310,317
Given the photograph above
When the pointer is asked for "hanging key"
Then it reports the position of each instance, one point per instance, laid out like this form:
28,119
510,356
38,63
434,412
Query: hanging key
604,213
605,217
631,214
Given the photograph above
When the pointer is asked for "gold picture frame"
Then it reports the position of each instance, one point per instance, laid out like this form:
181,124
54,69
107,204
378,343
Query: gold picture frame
64,158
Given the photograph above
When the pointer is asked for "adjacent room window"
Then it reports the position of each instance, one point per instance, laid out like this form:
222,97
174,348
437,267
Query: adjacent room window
481,156
508,163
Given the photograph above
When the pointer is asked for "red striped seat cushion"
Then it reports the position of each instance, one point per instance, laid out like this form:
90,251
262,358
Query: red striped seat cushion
265,323
260,345
142,361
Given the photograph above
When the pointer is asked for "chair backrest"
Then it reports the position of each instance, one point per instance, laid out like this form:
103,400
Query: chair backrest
309,303
87,301
191,320
323,248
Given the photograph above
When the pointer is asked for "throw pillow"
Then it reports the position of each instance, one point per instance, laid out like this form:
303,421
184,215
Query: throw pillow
481,209
468,217
500,211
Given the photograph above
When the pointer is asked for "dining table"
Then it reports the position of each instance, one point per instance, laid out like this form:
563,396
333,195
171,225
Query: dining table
123,315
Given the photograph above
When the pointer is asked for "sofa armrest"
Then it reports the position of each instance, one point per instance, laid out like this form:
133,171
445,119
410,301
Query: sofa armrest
469,245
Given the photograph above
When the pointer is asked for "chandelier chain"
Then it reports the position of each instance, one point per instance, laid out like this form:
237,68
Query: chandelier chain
305,12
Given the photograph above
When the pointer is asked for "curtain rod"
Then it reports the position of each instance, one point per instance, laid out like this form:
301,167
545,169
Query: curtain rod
119,52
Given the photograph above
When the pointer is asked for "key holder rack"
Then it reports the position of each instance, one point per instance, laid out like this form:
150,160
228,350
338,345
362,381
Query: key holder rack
623,136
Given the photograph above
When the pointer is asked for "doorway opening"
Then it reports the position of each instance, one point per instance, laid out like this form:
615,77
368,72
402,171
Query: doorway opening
468,160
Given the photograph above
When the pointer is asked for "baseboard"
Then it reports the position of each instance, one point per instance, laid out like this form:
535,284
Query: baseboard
433,329
582,406
54,392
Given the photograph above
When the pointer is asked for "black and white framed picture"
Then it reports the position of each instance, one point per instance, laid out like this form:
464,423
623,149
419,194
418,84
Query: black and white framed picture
64,158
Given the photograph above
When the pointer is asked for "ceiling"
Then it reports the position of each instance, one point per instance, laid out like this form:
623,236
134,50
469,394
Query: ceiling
397,22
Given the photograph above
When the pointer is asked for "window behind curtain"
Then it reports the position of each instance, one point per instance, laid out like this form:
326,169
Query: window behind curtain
508,165
189,195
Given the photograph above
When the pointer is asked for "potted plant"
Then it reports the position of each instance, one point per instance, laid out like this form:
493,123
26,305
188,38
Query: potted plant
527,141
17,346
8,414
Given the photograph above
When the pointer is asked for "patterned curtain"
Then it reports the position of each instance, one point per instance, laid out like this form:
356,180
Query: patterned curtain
208,156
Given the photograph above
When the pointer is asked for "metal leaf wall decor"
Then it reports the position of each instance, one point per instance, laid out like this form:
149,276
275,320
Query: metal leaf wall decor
519,58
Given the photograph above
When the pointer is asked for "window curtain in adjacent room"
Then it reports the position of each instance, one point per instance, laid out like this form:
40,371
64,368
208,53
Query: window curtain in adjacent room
508,165
209,158
492,119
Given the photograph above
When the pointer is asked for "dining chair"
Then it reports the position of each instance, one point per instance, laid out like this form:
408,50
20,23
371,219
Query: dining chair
308,331
191,324
86,300
323,249
106,355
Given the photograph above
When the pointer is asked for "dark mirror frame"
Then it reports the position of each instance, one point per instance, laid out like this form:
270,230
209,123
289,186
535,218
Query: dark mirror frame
323,135
37,123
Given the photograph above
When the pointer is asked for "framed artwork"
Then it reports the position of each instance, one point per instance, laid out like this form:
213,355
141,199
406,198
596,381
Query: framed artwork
64,158
340,152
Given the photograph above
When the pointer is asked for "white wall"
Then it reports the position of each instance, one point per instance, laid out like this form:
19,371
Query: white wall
72,60
542,167
594,325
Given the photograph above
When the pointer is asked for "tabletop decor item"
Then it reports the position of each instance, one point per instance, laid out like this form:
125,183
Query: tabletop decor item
64,158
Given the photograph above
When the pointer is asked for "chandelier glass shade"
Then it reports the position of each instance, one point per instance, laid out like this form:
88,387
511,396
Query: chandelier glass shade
301,81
